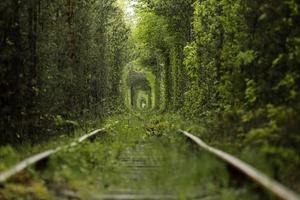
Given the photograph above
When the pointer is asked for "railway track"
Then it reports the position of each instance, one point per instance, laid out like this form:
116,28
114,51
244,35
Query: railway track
138,166
257,176
4,176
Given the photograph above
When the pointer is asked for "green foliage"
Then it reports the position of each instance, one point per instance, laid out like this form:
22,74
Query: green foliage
250,93
126,156
8,157
245,58
233,65
58,59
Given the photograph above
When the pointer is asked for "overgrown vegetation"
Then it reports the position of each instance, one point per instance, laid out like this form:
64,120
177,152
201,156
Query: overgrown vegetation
232,65
60,65
229,70
129,158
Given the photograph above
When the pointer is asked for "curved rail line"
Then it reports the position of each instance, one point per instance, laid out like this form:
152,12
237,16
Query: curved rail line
257,176
4,176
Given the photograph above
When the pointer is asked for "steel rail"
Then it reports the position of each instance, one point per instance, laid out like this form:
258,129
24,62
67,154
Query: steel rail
4,176
257,176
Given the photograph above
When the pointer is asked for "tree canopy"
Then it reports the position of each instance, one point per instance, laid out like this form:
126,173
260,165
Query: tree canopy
231,65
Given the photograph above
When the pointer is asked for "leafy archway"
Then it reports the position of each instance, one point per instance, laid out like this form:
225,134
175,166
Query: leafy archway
138,83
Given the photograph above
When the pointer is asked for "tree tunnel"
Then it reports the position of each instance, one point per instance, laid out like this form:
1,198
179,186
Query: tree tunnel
139,87
140,91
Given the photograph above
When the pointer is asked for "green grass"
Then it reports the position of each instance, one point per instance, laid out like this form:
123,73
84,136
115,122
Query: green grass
172,165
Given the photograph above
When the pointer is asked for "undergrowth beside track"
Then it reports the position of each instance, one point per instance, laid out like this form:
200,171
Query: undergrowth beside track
98,167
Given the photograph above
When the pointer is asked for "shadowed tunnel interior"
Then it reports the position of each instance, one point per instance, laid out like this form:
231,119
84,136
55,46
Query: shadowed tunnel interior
140,91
